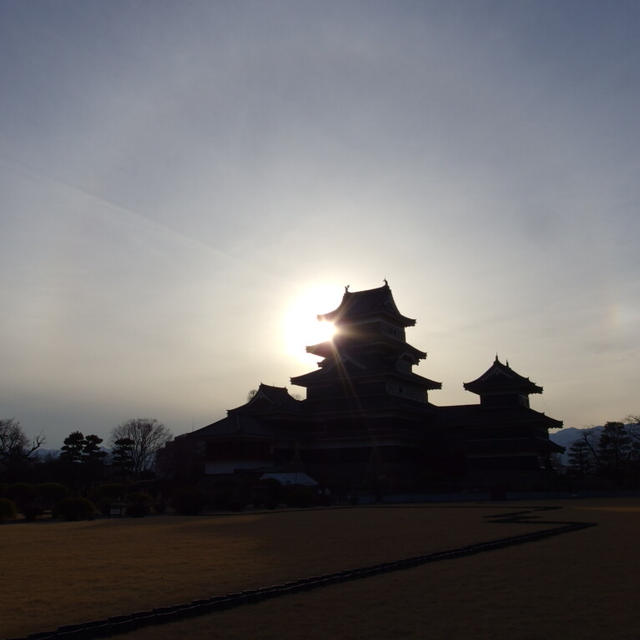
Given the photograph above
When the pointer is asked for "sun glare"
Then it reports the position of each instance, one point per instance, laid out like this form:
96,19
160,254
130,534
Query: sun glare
301,324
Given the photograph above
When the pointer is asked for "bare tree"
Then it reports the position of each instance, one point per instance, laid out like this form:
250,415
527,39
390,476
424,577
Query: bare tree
14,443
148,436
587,438
581,460
16,450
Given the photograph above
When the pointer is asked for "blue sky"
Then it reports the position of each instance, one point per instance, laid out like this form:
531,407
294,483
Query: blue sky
178,180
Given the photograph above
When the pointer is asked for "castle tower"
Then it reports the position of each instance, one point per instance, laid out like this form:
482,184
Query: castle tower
501,386
368,360
369,412
506,442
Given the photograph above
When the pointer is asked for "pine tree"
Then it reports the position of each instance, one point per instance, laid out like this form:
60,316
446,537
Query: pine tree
614,449
73,447
581,460
122,455
91,452
633,429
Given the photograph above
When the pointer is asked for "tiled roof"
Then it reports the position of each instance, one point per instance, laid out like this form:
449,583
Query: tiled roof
476,415
355,339
501,377
235,425
358,305
330,375
269,399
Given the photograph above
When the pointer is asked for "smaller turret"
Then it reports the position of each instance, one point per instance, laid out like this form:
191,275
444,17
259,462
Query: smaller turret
501,386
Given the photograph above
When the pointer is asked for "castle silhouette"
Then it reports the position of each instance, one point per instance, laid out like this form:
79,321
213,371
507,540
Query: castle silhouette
367,423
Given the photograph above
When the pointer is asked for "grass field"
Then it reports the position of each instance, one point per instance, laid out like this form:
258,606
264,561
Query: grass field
582,584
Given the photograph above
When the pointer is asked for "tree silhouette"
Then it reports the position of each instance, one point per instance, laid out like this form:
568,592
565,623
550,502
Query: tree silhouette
122,455
633,429
581,460
82,458
16,450
614,449
13,441
148,436
92,454
73,447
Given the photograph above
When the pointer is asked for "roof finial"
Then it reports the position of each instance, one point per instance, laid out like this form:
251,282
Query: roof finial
346,289
386,284
496,360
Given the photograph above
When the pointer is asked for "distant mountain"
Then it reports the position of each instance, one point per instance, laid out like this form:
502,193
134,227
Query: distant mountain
43,453
566,437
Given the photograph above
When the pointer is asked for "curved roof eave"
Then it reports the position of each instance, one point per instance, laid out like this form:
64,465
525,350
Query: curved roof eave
360,304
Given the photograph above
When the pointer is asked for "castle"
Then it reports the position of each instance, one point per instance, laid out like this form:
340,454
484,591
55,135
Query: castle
367,423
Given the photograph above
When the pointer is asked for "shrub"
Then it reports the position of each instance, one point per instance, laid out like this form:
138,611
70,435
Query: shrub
268,493
298,496
21,492
111,491
25,497
138,504
75,509
106,495
233,498
240,497
50,493
8,510
188,501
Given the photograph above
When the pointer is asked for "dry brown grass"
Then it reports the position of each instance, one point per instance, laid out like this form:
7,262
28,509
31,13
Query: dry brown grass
580,585
62,573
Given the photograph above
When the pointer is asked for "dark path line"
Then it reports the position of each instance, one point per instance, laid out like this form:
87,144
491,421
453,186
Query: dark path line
123,624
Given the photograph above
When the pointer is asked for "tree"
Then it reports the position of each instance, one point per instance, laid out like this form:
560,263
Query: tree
581,460
614,448
588,437
93,459
92,454
16,450
82,458
72,448
633,429
148,436
13,441
122,455
71,459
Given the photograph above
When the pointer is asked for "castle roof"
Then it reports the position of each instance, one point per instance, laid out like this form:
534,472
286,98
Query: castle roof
500,378
347,367
269,399
360,305
475,415
235,425
385,343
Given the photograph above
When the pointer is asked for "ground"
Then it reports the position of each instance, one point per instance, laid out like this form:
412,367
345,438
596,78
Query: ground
581,584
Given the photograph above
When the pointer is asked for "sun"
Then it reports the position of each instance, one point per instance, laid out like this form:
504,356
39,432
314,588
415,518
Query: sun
301,325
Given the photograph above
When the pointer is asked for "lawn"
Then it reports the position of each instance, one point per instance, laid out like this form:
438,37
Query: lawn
56,573
580,585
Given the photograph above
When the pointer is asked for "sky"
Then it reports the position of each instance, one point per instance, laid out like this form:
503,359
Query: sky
185,185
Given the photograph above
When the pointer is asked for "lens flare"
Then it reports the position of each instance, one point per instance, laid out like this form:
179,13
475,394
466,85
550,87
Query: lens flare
301,324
